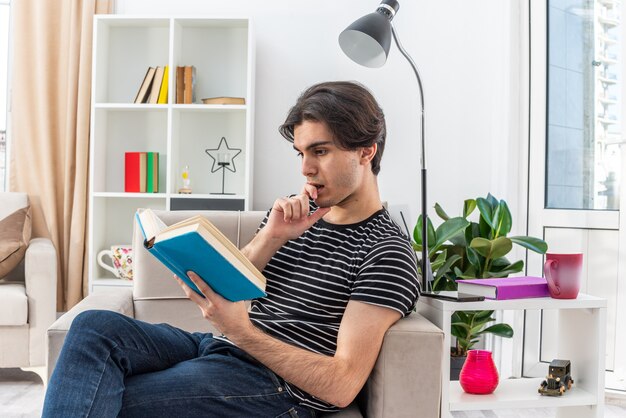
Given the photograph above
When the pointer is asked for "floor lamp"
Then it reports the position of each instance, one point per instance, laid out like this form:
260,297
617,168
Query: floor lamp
367,42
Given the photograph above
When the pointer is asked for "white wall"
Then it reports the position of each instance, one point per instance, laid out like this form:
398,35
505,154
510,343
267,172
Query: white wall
468,55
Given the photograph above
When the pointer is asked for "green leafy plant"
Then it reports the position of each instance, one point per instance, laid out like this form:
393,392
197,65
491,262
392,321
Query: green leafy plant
463,249
467,326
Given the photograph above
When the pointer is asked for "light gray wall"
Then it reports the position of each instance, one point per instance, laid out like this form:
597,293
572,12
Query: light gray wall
468,55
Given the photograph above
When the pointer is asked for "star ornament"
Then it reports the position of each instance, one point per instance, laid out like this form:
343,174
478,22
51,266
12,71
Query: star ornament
223,156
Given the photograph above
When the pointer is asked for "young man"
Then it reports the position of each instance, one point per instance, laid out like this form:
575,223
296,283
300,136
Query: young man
339,274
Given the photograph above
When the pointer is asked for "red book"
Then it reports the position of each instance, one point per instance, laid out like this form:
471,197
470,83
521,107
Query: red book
506,288
135,169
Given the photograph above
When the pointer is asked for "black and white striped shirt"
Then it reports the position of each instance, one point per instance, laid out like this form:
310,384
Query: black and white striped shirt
311,279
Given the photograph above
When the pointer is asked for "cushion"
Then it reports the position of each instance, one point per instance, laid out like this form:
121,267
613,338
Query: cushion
15,232
13,304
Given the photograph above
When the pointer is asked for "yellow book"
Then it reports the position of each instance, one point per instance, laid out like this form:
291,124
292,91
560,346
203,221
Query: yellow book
163,91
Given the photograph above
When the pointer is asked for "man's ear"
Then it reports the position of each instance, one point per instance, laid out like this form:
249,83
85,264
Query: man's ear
368,153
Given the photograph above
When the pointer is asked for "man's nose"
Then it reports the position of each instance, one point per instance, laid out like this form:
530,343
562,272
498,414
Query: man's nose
308,167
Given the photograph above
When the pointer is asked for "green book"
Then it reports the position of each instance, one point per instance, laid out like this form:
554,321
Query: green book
152,175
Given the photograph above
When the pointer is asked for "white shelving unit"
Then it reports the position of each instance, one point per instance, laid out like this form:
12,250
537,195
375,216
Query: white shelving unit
222,50
581,339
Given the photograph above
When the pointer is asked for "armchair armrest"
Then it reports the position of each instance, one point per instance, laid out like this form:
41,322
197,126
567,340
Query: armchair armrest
118,301
40,279
406,380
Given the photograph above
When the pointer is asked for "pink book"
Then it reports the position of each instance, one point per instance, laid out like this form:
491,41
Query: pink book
506,288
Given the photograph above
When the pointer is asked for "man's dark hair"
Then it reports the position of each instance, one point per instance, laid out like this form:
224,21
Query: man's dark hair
348,109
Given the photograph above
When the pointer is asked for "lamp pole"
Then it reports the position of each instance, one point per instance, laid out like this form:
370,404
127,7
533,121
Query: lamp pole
427,273
366,41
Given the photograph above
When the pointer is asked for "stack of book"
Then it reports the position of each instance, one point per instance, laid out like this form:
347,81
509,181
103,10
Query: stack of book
185,84
141,172
153,89
223,100
506,288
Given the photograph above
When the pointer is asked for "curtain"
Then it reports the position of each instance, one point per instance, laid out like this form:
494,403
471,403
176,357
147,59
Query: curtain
50,111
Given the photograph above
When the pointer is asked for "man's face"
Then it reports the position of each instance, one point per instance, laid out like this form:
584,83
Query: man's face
335,172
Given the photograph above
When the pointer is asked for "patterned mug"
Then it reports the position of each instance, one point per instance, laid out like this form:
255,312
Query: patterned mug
122,258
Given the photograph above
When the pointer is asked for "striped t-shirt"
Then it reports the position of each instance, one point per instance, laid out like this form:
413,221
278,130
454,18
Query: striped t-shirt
311,279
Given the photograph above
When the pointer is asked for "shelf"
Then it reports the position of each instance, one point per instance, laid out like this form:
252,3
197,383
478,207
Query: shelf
222,51
207,196
133,195
517,393
209,202
581,333
583,301
209,108
131,106
164,107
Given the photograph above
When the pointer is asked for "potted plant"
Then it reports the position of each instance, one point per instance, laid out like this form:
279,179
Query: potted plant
467,326
464,249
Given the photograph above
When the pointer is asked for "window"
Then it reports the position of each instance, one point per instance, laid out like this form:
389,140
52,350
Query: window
583,162
4,70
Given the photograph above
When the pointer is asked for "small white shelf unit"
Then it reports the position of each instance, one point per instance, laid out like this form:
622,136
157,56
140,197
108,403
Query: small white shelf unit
581,339
222,51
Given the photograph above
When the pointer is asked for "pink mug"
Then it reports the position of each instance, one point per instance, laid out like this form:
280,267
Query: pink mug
563,273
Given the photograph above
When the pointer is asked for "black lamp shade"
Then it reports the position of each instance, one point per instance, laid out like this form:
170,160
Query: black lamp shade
367,40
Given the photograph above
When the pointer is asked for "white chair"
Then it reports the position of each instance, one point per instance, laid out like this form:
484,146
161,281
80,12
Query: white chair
406,381
27,300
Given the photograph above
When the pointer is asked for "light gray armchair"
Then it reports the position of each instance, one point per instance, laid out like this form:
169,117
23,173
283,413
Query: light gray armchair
27,299
405,382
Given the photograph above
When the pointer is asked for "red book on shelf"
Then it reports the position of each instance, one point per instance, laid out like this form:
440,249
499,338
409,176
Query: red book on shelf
135,169
506,288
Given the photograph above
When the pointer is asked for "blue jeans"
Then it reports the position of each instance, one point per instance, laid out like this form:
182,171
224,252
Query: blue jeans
112,365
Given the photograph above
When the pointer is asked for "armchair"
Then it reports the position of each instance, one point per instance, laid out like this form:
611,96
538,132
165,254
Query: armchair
405,382
27,300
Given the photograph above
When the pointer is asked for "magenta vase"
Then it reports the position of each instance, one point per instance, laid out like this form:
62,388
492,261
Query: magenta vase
479,374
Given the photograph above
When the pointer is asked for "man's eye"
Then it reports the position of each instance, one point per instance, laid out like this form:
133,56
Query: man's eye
320,152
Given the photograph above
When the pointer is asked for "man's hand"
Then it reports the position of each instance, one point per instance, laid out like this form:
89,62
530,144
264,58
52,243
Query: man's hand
290,217
230,318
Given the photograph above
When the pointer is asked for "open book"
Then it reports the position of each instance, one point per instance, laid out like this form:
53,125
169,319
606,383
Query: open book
196,244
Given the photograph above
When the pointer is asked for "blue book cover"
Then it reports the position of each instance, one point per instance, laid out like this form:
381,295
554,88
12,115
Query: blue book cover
195,245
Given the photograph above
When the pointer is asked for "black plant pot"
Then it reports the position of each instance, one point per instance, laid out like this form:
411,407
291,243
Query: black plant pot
456,364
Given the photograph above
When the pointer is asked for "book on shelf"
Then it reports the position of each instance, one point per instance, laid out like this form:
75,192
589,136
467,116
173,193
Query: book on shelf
152,172
135,170
189,85
156,85
163,90
506,288
195,244
225,100
145,88
180,85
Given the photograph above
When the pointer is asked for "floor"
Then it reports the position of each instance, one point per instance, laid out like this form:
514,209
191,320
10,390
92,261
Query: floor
21,396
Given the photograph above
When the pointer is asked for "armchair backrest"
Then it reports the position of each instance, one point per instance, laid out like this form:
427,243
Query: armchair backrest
152,280
11,201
